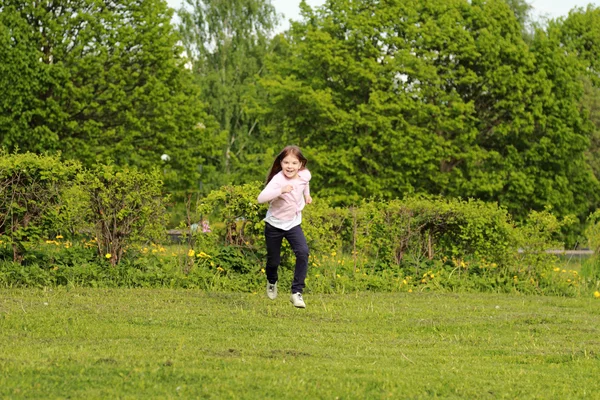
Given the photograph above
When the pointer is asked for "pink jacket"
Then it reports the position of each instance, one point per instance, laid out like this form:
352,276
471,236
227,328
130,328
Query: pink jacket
286,206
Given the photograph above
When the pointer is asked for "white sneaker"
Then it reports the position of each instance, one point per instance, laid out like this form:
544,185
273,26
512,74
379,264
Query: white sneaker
272,290
297,300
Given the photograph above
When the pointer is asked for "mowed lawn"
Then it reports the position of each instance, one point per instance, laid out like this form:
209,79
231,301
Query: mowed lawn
158,343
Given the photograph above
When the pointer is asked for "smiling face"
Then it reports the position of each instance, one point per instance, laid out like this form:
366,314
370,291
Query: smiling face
290,165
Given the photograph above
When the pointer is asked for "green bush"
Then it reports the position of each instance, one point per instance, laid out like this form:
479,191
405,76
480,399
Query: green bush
124,206
31,197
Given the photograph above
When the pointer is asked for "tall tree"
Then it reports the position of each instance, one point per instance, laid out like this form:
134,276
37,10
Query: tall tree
446,99
99,80
226,41
579,33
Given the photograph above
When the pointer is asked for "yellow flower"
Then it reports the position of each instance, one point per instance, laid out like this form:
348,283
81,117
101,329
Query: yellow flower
423,280
564,270
405,282
203,255
338,275
191,253
409,290
108,255
317,275
432,276
597,294
262,270
59,236
220,269
556,269
333,253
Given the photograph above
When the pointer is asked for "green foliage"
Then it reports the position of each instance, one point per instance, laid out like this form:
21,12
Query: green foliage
101,81
125,206
32,191
447,100
226,43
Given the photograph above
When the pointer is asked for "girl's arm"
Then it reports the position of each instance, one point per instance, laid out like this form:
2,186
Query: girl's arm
307,197
306,174
270,192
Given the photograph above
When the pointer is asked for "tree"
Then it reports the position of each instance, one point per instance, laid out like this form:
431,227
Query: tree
580,34
226,42
100,80
446,99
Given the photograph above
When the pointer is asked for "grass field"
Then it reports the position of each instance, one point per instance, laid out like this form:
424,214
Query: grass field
127,343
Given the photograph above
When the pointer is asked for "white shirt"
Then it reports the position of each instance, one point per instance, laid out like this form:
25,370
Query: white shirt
283,224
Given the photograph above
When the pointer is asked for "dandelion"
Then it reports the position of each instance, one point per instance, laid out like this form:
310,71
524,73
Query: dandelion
597,294
191,253
338,275
314,264
59,236
564,270
423,280
220,269
432,276
556,269
409,290
333,253
262,270
405,282
108,255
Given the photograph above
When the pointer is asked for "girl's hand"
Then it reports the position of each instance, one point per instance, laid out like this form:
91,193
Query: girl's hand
287,189
307,199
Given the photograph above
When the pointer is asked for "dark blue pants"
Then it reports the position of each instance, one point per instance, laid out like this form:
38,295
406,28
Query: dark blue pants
296,239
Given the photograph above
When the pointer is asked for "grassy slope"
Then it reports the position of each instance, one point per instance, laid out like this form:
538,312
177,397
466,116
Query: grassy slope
93,343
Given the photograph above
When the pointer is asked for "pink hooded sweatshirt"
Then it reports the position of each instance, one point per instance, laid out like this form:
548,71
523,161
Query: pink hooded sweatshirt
286,206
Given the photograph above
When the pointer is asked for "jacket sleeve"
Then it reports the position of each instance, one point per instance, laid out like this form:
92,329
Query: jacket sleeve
307,189
306,175
270,192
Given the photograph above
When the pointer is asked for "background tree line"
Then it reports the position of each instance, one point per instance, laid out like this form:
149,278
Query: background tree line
387,98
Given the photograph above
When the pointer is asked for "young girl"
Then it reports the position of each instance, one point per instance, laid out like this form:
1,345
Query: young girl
287,191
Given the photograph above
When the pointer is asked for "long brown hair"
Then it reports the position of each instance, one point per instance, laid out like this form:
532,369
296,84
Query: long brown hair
276,167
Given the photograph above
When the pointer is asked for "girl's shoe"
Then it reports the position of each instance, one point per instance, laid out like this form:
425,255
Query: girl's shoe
297,300
272,290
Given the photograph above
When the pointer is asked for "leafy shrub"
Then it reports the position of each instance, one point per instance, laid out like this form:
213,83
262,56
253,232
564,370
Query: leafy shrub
31,193
124,206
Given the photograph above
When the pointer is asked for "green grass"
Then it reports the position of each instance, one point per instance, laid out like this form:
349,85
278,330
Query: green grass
127,343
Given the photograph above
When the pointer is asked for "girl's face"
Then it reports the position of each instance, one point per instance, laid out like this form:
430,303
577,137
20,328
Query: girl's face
290,165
